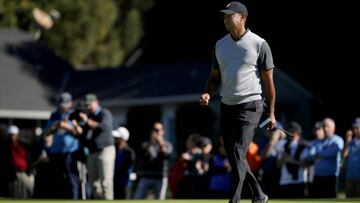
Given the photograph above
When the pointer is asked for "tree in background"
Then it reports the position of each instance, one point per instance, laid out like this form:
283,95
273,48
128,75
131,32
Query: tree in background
101,33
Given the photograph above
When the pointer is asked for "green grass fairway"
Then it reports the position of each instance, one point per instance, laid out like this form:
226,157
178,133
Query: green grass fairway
179,201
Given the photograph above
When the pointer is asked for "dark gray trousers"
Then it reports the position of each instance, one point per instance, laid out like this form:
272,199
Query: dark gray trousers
238,125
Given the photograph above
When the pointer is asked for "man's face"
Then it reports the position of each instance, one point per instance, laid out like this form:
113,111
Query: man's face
329,128
158,129
356,131
319,133
231,21
92,106
66,107
14,137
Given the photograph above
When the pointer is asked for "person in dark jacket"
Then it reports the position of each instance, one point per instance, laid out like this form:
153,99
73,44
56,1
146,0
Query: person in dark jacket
290,160
98,125
154,171
124,163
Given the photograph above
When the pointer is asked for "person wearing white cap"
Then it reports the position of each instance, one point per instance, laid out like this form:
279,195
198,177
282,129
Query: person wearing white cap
121,132
18,165
124,162
13,130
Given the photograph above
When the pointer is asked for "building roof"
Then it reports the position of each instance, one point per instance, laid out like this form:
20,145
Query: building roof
31,74
143,84
164,83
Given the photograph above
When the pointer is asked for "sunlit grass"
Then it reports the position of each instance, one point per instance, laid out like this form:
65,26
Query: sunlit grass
3,200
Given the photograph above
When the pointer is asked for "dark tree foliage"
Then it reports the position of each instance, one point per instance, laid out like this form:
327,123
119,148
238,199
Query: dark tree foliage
101,33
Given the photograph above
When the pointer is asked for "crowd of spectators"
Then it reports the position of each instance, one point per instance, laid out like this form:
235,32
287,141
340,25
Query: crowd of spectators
86,157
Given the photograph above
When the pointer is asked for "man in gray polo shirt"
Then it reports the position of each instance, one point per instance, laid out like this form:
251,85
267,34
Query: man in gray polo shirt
242,62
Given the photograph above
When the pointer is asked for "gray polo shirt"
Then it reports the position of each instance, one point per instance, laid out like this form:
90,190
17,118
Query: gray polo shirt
240,63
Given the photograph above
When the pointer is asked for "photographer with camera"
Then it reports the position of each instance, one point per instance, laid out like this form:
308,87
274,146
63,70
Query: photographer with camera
63,152
98,126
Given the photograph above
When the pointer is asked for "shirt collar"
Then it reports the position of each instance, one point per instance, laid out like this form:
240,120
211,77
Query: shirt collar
97,111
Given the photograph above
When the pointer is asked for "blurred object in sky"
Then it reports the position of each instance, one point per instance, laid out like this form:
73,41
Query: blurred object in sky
55,14
42,18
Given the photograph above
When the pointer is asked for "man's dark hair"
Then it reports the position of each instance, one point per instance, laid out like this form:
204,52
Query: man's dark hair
294,127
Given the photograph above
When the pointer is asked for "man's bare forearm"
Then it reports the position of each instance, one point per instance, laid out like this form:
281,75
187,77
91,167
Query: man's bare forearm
269,90
92,123
270,98
213,82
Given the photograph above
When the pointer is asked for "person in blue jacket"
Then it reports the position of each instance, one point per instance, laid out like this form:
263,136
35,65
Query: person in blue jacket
351,154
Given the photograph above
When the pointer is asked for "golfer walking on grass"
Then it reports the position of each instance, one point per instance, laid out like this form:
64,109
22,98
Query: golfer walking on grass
242,62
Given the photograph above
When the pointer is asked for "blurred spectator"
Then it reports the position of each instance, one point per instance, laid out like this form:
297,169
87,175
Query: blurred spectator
326,155
269,173
319,135
98,126
82,152
124,162
220,174
154,171
293,174
178,185
3,184
64,149
192,160
18,165
3,128
202,164
205,144
253,157
195,182
43,180
254,160
352,154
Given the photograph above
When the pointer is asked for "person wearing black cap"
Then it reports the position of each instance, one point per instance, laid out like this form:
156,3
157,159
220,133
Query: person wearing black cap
242,62
290,159
63,150
98,126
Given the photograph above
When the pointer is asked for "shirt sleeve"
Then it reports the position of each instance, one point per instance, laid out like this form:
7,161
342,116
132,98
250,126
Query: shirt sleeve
332,150
265,60
215,62
106,121
169,149
50,121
